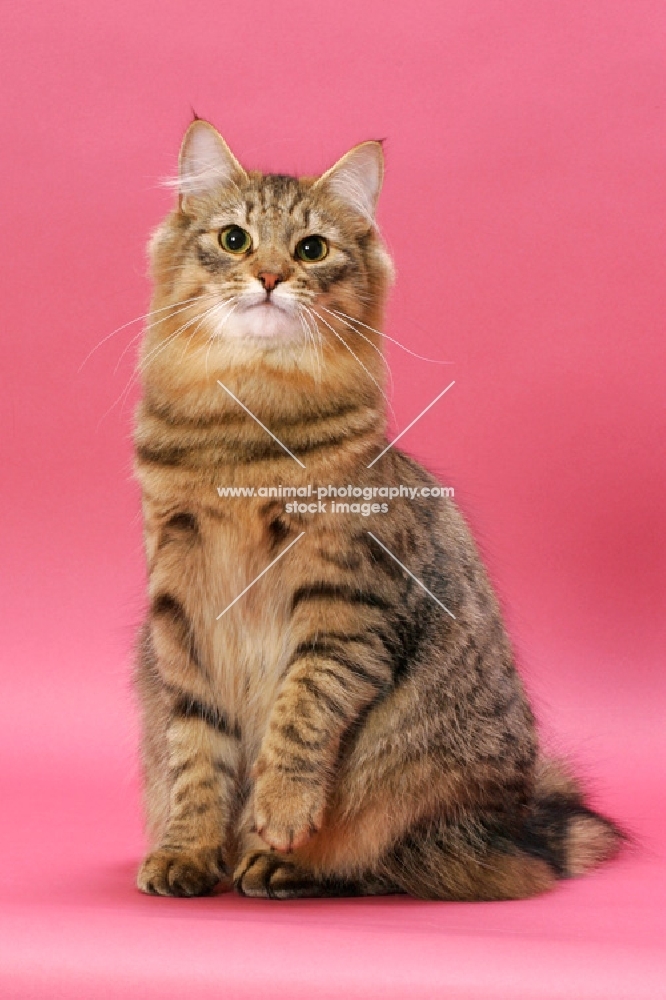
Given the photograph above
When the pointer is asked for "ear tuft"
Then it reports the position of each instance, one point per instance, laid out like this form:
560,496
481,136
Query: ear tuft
357,178
205,164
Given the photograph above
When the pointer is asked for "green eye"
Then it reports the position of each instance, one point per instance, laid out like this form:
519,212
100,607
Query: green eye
312,248
233,239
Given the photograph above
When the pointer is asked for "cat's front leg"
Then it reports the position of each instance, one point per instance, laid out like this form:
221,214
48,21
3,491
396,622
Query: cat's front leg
202,765
333,676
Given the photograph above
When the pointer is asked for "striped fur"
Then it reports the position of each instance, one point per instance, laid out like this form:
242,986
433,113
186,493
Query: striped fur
335,731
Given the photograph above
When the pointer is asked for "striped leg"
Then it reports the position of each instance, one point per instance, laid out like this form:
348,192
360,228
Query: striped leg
203,757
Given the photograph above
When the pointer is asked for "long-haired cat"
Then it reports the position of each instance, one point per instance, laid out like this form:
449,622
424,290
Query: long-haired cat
330,703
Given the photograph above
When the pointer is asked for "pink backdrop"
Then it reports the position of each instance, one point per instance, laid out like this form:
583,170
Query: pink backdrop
524,204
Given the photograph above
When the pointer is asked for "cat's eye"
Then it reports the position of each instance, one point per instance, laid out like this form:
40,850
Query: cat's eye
235,240
312,248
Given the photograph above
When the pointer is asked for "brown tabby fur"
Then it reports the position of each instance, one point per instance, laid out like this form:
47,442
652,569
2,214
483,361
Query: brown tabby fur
335,731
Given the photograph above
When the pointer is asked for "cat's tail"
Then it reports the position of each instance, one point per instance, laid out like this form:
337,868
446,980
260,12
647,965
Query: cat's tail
475,857
562,830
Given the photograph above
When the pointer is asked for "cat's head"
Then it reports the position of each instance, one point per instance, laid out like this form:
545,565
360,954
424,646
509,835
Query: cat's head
270,267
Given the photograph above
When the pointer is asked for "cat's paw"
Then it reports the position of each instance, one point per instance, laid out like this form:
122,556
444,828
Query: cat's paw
265,875
286,812
193,872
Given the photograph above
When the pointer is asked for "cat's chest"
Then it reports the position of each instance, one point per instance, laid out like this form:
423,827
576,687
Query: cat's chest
243,598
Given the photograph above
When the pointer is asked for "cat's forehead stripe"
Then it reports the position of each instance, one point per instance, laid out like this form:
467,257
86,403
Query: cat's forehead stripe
277,194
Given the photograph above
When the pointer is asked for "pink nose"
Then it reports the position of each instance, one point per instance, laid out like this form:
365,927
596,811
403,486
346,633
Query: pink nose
269,279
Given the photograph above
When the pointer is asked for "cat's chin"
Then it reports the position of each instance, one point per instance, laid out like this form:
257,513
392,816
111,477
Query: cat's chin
266,325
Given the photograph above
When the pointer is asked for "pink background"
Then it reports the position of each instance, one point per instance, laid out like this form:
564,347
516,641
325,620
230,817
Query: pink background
524,204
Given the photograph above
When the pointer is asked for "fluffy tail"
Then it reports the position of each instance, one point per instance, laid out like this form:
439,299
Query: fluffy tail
562,830
475,857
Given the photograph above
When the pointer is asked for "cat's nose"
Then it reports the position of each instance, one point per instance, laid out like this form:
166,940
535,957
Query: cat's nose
269,279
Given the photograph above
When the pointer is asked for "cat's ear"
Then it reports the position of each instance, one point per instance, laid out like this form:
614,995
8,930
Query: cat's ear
205,164
357,178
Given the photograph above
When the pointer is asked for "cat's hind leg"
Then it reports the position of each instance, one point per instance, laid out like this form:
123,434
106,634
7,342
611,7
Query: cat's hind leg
267,874
437,860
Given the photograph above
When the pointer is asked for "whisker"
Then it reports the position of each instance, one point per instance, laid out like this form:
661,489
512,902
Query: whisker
150,326
368,341
311,338
213,337
345,344
140,368
156,351
307,334
232,299
209,312
317,340
318,335
137,319
342,315
127,347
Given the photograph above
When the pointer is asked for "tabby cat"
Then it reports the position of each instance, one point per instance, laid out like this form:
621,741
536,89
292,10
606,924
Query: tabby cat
330,704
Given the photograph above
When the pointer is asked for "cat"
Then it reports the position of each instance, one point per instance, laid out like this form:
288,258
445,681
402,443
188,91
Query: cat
329,700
